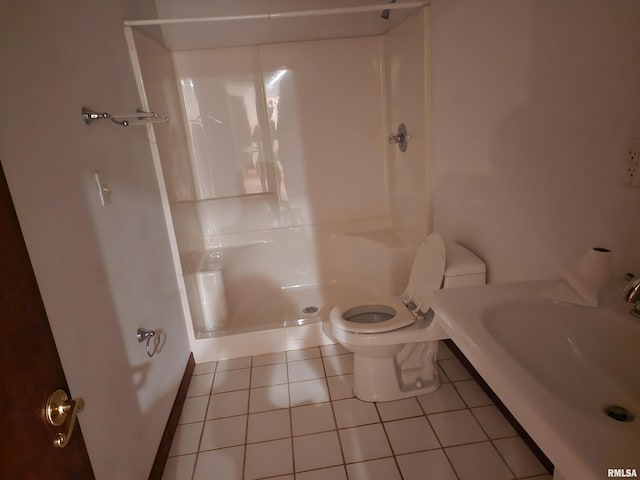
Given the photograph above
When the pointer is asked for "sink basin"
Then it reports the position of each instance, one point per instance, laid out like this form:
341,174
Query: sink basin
569,374
588,357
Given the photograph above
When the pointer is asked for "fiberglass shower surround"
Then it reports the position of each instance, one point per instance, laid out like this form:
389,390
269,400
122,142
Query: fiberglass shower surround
257,221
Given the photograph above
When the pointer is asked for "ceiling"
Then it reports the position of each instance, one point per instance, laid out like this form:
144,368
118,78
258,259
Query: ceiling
246,31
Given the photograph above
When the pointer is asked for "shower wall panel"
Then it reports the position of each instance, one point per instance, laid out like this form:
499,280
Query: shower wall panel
326,127
225,120
406,55
286,146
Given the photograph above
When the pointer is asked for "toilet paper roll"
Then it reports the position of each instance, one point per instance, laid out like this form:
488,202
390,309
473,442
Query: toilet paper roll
591,275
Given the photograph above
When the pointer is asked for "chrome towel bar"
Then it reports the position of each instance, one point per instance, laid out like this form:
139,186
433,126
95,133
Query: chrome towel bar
124,119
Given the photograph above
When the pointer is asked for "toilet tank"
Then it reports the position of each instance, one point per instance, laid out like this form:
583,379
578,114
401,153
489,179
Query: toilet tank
463,267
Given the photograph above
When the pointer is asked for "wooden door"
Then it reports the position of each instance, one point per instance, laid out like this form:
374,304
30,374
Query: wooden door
30,369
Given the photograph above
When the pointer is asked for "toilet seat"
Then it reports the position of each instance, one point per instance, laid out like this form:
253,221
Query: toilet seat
339,316
426,275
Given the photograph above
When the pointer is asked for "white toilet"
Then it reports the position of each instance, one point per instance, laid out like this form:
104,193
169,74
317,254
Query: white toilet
394,340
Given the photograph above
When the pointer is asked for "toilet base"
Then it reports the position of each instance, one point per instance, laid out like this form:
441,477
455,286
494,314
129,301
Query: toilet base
411,372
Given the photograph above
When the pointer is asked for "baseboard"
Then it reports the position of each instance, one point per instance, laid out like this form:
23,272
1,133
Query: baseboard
548,465
172,423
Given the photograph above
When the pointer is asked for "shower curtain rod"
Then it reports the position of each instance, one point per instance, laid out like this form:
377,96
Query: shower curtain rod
269,16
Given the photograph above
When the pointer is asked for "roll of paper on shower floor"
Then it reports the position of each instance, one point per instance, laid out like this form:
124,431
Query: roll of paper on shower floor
213,300
591,275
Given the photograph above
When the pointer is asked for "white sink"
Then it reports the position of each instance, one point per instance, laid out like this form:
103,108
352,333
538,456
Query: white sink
585,356
556,366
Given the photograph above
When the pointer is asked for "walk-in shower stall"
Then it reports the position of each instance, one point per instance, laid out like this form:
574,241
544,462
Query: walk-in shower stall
283,191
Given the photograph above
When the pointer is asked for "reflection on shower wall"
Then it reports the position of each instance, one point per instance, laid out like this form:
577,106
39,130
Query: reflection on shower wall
225,117
288,123
286,146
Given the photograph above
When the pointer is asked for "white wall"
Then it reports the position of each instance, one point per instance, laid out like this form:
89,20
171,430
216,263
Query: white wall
533,103
102,272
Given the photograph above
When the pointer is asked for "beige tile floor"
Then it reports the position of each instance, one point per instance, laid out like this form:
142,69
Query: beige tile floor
292,415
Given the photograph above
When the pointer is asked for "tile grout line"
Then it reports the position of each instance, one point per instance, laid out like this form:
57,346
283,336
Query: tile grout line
436,433
246,426
293,456
504,460
491,440
455,388
204,422
333,413
337,430
386,434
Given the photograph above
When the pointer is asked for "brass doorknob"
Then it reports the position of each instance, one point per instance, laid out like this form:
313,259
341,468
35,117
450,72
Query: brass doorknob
58,409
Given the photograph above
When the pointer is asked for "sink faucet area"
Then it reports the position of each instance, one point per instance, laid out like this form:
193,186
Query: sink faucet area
631,293
569,374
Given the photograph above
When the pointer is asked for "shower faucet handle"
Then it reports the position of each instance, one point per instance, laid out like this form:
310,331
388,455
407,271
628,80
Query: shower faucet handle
400,137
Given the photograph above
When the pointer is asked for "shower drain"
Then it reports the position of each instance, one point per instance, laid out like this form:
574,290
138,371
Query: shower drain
310,309
619,413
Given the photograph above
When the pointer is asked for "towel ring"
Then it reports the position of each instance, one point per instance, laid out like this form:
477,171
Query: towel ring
149,336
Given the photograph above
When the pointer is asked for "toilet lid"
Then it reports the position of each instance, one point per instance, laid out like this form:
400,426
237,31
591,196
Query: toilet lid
390,315
427,272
